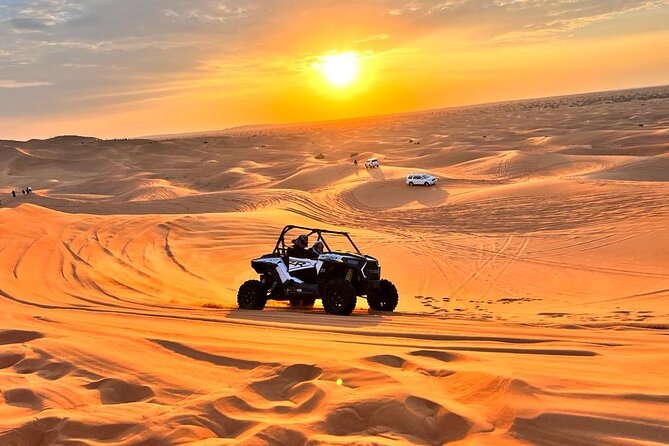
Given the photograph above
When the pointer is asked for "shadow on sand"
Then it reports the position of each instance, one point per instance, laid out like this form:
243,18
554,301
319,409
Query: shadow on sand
310,316
392,194
376,174
429,196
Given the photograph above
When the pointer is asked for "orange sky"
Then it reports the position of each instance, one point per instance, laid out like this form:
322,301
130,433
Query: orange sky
216,65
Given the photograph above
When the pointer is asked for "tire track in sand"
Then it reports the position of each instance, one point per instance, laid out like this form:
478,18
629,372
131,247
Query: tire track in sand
479,269
510,261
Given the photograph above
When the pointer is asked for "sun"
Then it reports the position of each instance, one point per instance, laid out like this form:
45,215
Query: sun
341,69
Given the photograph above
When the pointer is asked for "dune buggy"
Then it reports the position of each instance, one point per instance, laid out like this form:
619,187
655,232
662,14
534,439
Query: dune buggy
301,274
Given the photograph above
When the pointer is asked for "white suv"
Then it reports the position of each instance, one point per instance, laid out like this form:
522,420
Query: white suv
421,179
372,163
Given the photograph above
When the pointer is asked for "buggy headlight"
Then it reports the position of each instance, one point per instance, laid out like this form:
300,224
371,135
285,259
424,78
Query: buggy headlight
352,262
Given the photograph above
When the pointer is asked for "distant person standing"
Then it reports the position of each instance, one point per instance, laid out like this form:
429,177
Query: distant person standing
14,193
23,191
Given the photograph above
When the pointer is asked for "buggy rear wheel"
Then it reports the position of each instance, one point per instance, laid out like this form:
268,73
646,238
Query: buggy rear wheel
252,295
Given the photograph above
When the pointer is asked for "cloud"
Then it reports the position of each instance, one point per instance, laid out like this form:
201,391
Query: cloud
26,23
105,48
517,20
16,84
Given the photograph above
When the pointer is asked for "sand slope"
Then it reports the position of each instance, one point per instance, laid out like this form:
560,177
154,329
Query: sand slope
534,282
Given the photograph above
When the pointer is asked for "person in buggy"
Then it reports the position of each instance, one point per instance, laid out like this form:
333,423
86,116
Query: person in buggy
300,250
318,247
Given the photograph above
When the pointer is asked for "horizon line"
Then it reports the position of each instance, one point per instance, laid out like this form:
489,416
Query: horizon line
218,132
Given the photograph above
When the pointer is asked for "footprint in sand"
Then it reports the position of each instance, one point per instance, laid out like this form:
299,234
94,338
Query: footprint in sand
116,391
18,336
23,398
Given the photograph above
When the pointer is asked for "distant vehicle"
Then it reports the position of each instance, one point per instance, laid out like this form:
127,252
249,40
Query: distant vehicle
372,163
421,179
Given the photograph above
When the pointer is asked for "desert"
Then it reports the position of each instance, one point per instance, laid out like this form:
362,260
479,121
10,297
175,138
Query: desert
533,281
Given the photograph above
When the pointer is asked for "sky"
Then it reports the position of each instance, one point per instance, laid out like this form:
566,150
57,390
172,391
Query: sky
120,68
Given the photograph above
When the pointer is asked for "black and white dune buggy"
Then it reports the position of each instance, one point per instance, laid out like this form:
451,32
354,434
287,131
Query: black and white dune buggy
300,275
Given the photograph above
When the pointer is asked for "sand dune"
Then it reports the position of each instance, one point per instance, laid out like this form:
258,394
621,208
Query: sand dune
534,282
653,168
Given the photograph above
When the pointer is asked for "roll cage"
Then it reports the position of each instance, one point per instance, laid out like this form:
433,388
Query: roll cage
281,249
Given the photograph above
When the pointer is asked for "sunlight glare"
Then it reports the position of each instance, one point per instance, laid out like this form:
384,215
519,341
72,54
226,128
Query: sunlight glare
340,69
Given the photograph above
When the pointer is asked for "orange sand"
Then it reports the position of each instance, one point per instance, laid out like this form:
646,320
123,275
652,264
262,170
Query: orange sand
534,282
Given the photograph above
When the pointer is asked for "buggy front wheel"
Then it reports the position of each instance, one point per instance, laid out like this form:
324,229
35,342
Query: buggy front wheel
339,297
385,298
